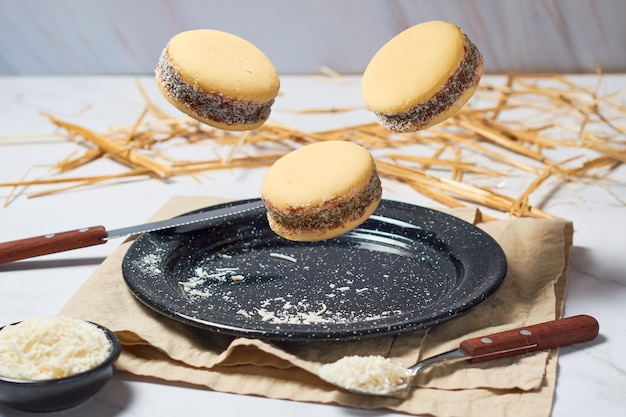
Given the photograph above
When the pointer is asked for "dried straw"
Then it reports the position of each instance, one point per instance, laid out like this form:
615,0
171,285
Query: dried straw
442,163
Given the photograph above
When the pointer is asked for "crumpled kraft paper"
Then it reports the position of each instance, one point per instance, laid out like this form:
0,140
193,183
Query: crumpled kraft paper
537,255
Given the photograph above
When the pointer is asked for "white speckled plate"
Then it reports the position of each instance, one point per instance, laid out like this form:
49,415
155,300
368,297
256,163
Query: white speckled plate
406,267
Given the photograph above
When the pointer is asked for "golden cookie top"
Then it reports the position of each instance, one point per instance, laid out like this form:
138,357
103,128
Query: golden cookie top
317,173
413,67
219,62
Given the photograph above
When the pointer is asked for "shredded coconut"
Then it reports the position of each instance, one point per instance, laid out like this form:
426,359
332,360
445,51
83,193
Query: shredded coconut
284,257
193,285
367,374
209,283
50,348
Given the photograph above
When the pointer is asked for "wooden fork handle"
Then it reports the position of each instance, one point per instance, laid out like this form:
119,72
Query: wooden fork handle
543,336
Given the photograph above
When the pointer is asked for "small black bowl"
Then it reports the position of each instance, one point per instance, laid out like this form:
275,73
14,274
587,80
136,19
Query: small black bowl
61,393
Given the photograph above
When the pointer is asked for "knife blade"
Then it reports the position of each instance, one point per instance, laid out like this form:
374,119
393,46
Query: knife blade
95,235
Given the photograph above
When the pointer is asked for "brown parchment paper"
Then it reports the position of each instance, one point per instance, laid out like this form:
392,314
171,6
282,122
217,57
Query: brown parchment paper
157,347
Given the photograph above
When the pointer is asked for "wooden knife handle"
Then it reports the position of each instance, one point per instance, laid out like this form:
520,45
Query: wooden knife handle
541,336
52,243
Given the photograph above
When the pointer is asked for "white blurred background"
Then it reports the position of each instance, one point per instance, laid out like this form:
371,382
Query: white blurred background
126,36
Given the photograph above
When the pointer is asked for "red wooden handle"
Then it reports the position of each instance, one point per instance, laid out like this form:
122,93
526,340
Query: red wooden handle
52,243
541,336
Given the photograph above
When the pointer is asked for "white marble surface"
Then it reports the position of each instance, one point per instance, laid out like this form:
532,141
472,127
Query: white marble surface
125,37
591,381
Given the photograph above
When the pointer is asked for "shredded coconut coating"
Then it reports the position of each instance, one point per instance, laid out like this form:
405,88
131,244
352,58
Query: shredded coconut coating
367,374
208,106
467,76
330,214
52,347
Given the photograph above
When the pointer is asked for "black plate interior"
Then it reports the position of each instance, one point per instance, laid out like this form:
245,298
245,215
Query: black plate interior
406,267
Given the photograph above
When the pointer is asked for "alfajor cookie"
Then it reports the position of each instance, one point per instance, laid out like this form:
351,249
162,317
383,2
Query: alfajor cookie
218,78
422,76
321,190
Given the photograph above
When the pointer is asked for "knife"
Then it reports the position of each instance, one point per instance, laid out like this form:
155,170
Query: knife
96,235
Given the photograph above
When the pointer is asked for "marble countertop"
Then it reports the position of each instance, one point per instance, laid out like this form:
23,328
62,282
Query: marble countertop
591,380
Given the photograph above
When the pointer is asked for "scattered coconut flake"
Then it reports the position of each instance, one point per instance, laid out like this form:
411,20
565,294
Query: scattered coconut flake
283,257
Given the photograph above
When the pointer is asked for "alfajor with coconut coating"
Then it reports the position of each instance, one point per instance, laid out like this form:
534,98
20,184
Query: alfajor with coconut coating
422,76
218,78
321,190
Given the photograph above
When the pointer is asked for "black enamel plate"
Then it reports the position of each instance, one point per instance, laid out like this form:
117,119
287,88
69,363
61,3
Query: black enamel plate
406,267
